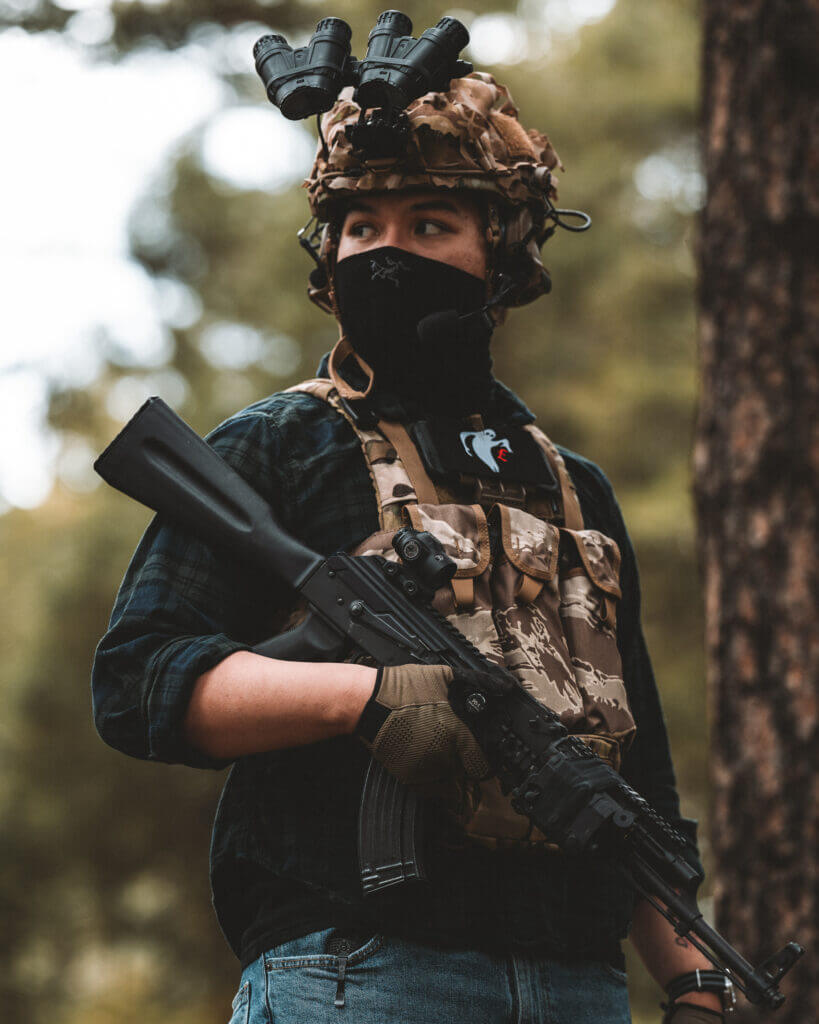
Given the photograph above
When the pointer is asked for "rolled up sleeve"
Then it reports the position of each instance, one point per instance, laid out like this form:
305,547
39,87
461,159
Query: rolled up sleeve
183,607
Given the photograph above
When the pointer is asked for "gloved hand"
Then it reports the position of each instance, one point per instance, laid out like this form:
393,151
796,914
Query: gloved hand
688,1013
409,726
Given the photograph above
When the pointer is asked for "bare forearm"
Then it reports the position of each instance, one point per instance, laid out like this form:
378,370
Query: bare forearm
248,704
666,954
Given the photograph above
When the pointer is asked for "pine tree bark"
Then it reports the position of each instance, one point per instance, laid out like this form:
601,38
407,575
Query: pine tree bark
756,467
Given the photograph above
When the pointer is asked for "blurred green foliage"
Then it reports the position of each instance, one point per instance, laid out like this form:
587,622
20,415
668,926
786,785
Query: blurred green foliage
103,874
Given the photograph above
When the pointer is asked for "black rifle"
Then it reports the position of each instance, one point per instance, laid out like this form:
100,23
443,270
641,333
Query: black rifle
381,609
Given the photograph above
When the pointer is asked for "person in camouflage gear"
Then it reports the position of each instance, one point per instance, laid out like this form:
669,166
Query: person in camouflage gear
506,928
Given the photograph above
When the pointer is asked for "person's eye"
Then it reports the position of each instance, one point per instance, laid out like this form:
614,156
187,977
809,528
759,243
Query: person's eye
432,227
361,229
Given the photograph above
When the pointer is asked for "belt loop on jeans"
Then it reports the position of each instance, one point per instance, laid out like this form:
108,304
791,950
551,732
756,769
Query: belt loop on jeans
342,973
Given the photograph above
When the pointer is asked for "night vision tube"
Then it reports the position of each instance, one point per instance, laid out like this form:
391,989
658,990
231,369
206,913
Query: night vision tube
398,69
305,81
391,25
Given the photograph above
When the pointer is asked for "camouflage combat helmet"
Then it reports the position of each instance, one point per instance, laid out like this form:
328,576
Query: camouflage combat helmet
467,138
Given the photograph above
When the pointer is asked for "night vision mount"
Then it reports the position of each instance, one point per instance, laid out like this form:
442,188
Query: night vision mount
397,69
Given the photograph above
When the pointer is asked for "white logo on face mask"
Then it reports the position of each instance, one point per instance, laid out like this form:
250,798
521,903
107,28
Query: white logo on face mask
386,271
483,443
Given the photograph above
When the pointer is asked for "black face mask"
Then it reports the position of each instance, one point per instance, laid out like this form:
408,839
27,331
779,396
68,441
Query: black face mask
383,295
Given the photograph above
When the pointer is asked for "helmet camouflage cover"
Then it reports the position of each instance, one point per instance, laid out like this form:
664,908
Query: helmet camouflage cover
467,138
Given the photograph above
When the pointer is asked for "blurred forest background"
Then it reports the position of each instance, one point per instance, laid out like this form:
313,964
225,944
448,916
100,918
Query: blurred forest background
104,896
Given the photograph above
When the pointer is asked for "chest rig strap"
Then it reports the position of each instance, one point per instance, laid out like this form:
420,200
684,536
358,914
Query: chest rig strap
572,516
396,472
407,454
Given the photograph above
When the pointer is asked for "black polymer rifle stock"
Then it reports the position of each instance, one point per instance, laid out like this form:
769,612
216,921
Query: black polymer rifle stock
378,607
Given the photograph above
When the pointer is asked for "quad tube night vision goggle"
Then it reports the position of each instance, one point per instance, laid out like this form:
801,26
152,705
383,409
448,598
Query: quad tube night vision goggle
396,70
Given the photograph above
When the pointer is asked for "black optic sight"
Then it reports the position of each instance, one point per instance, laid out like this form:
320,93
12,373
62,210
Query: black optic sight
424,554
399,69
308,80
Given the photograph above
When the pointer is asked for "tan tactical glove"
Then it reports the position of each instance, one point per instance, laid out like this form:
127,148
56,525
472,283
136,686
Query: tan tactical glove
410,728
687,1013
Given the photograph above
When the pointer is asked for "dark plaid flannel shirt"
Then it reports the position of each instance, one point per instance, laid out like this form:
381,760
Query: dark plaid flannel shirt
183,607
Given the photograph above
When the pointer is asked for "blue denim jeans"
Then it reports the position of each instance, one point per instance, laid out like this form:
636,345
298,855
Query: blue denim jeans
395,981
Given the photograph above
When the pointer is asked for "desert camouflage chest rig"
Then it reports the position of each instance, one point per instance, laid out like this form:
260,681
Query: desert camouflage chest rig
534,591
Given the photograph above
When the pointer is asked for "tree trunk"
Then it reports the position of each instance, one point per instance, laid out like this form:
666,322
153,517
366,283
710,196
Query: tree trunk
756,472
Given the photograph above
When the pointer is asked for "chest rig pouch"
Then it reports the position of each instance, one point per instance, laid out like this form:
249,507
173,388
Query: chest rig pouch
534,591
